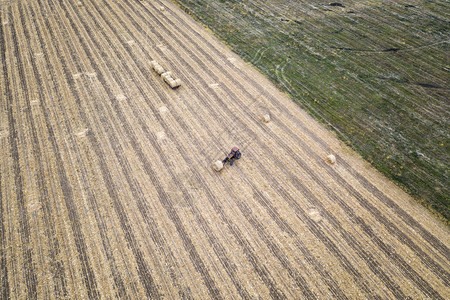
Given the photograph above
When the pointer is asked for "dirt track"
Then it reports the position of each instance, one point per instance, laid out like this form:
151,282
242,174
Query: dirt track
107,188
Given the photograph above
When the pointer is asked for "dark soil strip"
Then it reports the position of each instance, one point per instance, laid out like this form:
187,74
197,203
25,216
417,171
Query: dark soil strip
91,199
432,240
24,226
414,275
4,283
393,49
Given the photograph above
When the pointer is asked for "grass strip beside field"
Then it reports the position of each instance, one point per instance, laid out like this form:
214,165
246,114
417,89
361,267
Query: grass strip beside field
376,74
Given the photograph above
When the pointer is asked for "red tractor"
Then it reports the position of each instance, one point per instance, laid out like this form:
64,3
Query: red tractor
234,154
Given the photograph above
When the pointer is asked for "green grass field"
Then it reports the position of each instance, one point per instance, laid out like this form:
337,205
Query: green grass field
375,72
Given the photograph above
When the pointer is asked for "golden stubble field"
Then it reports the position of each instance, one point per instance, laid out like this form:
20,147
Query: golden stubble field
107,189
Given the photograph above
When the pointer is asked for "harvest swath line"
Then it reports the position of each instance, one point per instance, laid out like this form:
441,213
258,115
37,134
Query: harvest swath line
167,225
4,283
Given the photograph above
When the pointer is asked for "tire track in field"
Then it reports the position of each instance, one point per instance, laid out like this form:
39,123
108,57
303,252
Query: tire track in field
433,266
414,275
91,200
124,221
4,283
185,194
431,239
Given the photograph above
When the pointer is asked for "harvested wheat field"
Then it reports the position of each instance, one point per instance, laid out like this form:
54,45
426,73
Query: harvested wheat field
107,181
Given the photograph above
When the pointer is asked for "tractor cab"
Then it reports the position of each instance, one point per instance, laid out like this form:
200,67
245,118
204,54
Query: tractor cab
234,154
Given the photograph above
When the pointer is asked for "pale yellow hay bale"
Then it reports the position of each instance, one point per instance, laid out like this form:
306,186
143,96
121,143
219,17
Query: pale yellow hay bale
77,75
266,118
82,133
158,69
162,8
163,109
166,74
153,64
314,214
331,159
160,134
218,165
91,75
174,83
79,4
121,97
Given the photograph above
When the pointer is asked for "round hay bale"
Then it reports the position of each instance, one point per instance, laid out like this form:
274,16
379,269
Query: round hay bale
218,165
266,118
331,159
